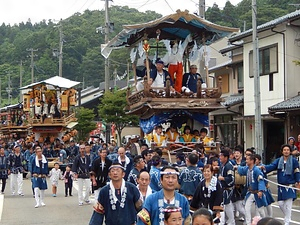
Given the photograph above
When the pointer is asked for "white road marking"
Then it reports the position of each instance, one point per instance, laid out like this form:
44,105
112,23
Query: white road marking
293,210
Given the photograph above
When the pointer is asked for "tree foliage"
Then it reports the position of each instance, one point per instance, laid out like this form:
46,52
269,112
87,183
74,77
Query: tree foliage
111,110
82,59
240,16
85,122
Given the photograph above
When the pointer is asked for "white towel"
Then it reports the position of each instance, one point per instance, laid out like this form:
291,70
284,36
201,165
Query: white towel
113,190
44,160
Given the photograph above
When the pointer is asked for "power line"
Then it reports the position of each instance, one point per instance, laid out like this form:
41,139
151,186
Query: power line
169,5
91,4
69,8
82,6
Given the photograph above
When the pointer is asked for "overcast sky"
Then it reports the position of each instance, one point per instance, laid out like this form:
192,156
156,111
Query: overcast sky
16,11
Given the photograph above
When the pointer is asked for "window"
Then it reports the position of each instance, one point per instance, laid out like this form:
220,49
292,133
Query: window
240,76
226,130
268,61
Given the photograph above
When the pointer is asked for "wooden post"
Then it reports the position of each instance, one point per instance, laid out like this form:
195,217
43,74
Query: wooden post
146,48
199,86
168,84
128,74
219,84
135,78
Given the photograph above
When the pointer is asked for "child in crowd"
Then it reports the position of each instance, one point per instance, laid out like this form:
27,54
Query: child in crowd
68,179
55,174
265,221
173,215
203,216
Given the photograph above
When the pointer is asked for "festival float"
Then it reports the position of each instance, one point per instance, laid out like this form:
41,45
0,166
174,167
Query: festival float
50,109
156,106
14,122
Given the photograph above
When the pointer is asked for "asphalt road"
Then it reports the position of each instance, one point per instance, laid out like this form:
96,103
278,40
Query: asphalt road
61,210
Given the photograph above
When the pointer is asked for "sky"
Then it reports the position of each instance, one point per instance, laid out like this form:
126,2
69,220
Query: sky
16,11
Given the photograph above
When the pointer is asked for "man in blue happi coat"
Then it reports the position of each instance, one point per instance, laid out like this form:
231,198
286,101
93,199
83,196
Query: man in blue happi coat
226,177
118,202
153,209
256,187
288,176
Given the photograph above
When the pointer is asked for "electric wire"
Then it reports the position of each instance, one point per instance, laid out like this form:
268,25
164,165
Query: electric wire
169,5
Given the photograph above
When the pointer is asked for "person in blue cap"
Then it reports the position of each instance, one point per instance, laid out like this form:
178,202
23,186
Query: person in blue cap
159,76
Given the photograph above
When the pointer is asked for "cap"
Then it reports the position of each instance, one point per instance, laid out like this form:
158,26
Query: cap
291,138
16,146
159,61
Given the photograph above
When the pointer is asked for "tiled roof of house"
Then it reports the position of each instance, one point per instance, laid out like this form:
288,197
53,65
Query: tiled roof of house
286,105
219,65
267,25
231,47
233,100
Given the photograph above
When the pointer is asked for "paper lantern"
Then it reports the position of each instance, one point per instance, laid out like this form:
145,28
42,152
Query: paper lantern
64,103
26,102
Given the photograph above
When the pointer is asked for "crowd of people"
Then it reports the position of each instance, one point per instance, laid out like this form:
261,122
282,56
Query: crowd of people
141,187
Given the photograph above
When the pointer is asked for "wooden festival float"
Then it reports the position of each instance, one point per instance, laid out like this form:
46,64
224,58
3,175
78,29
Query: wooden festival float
14,122
156,106
50,128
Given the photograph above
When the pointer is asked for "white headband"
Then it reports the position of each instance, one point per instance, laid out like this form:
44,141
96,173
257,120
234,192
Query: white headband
169,173
116,166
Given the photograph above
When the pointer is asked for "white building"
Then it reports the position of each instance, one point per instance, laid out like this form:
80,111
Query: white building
279,45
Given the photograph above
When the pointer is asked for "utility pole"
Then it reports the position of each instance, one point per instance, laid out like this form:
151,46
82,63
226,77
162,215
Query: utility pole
202,9
0,91
115,77
107,25
258,128
59,54
32,63
8,89
21,79
61,43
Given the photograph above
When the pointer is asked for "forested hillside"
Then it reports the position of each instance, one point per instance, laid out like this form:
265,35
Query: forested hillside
82,60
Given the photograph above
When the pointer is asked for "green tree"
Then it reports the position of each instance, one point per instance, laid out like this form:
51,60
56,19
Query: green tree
111,110
85,122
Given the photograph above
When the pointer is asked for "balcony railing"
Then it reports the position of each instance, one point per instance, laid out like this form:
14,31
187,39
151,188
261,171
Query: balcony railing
50,120
134,97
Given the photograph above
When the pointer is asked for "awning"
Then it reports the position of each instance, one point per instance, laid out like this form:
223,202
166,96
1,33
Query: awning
72,124
286,105
233,100
56,81
175,26
176,117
